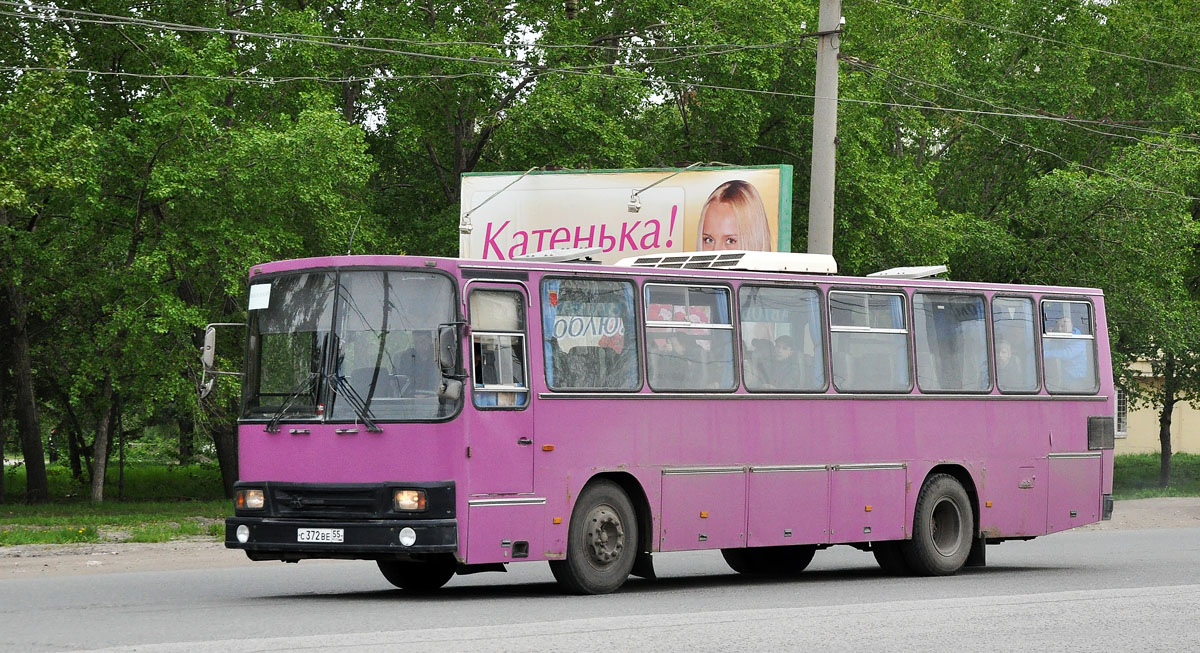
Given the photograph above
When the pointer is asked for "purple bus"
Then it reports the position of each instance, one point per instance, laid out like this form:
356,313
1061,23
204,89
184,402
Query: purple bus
443,416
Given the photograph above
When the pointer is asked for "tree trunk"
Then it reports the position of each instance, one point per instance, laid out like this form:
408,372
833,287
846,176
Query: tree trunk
225,440
187,434
103,433
69,430
1164,443
1169,392
12,305
37,487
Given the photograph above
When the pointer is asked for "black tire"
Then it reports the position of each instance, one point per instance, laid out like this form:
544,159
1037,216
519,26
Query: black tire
891,558
602,541
419,575
772,560
942,528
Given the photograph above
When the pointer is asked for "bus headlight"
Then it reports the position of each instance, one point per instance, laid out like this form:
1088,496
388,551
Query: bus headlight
243,533
408,499
249,500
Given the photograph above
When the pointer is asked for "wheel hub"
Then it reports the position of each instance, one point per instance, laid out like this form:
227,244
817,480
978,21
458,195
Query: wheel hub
605,535
945,527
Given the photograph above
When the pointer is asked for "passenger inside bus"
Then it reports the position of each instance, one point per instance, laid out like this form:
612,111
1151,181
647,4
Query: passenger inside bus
1010,371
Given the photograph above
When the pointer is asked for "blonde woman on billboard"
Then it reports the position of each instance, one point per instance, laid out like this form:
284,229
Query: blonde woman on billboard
733,217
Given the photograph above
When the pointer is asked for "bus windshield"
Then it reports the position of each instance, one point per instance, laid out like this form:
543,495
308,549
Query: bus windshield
356,345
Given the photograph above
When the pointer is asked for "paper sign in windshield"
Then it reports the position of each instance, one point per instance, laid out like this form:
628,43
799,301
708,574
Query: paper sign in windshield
260,296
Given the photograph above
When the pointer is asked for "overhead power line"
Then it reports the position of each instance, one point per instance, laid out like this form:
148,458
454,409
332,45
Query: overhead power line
1045,39
1005,139
862,65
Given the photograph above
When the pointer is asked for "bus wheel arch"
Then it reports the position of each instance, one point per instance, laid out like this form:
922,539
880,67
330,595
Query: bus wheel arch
944,524
604,538
967,481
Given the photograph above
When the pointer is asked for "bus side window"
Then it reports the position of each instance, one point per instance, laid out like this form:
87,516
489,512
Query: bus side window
1014,350
498,349
689,332
869,342
587,331
951,337
782,348
1068,346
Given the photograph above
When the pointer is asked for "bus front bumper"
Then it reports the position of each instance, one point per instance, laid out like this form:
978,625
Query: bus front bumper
268,538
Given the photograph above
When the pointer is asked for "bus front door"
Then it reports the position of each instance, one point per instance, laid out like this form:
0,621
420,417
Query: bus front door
500,440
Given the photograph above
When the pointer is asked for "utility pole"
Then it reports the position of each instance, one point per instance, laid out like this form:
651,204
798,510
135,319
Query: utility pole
824,143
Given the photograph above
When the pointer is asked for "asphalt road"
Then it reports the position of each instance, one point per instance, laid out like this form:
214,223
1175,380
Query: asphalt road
1084,590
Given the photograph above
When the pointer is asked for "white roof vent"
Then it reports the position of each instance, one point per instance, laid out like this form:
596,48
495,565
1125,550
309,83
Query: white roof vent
914,272
737,260
562,255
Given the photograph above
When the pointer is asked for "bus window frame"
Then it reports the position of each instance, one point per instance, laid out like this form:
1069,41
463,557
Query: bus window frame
1073,299
500,286
822,325
692,282
1037,344
989,343
639,346
905,295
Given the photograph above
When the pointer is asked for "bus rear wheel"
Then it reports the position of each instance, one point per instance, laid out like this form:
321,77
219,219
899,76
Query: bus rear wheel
419,575
942,528
776,560
602,541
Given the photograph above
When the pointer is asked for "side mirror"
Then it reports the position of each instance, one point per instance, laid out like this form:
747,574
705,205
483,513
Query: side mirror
209,353
451,390
447,348
206,388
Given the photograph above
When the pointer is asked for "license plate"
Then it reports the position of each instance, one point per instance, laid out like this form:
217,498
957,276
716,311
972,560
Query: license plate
335,535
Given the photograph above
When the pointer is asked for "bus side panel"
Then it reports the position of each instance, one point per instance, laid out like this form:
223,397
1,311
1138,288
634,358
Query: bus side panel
867,504
703,510
1074,491
788,506
1017,491
502,533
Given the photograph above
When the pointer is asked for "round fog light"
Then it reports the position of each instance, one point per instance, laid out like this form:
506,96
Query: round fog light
408,536
243,533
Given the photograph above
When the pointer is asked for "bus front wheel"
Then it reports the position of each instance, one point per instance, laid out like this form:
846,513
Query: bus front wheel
419,575
942,528
602,541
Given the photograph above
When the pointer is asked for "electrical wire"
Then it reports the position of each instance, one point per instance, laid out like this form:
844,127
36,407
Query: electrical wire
862,65
1045,39
114,20
1005,139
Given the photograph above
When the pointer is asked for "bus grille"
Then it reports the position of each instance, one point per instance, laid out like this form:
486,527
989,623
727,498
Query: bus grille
332,502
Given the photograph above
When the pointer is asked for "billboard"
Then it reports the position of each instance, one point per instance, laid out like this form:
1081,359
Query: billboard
697,209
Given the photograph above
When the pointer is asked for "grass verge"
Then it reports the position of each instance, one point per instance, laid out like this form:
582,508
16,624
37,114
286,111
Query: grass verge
156,503
59,523
1135,476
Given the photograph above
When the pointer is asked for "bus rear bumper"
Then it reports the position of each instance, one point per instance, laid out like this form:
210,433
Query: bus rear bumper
266,538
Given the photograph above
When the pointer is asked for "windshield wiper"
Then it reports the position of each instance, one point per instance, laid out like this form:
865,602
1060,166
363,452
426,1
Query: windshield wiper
305,386
361,410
